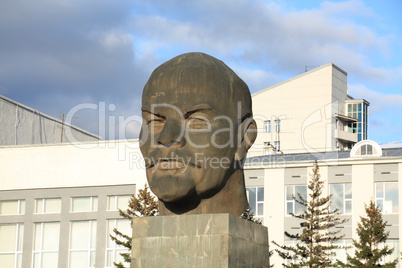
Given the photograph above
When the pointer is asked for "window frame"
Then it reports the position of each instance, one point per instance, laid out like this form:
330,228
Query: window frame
255,213
384,195
345,200
116,203
277,145
267,126
43,209
115,246
292,201
18,250
277,125
21,203
41,250
91,204
88,249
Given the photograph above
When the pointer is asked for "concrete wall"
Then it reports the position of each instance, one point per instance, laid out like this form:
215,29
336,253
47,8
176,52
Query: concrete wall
23,125
71,165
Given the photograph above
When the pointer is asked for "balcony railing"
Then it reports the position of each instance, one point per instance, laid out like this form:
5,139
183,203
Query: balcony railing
345,135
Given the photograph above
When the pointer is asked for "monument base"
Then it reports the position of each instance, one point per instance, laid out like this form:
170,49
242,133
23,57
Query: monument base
203,240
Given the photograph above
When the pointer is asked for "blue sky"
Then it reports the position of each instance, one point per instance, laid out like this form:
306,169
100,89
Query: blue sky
56,54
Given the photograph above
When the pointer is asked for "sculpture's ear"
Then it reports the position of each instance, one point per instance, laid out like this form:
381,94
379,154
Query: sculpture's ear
248,132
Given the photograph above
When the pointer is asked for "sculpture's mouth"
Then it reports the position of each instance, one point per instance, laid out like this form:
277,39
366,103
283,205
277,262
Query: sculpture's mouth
170,164
175,163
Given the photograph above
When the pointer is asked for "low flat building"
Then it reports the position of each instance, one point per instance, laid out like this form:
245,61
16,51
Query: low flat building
367,172
59,202
20,124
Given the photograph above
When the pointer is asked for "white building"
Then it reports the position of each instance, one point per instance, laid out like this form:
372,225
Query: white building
20,124
59,202
311,112
354,177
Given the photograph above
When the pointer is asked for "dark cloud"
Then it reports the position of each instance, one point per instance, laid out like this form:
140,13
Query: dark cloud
57,54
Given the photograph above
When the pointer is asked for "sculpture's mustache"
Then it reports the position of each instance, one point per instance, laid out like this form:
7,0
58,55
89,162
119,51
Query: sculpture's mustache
173,158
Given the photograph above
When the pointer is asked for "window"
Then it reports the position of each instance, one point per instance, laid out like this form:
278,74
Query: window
278,125
291,205
46,244
358,111
387,196
277,146
12,207
340,253
366,149
341,197
84,204
391,243
11,238
267,126
255,196
292,243
48,205
82,244
112,249
352,127
116,202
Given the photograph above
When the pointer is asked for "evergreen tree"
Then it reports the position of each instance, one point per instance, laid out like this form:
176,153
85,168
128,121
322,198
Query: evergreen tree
248,215
144,205
314,244
370,248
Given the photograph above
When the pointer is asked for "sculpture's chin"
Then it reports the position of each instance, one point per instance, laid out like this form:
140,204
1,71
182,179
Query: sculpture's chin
171,188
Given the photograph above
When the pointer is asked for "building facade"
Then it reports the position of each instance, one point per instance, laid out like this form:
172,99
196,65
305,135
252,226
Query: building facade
59,203
311,112
367,172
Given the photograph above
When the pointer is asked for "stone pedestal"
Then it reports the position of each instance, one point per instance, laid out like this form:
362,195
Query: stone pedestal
204,240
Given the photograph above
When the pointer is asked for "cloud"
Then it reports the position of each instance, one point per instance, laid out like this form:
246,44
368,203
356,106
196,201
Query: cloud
261,33
384,113
57,54
378,101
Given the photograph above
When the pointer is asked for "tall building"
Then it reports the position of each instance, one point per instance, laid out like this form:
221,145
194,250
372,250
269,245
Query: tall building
309,112
21,124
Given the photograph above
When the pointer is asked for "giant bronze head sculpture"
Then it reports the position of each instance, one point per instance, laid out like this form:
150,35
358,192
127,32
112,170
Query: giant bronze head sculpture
197,128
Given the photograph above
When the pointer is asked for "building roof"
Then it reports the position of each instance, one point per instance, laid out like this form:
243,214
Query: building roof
395,144
319,156
49,117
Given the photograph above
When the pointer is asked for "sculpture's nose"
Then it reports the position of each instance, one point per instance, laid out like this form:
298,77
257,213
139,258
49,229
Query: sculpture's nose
172,133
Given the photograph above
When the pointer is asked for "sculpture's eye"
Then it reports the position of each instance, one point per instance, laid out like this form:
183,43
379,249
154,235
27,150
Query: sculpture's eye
198,122
154,123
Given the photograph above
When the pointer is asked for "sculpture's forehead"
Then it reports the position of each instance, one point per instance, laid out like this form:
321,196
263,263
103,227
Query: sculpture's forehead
182,101
184,95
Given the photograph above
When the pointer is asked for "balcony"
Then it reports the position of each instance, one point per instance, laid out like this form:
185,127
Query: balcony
345,136
345,118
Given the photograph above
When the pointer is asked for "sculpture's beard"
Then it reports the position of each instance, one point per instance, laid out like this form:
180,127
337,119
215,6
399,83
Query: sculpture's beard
180,175
171,187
